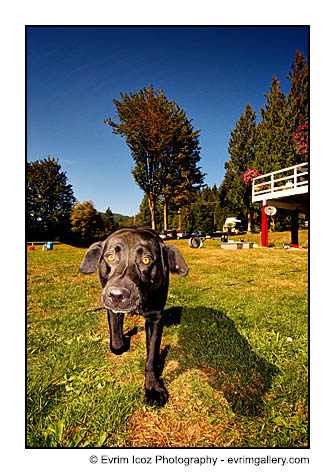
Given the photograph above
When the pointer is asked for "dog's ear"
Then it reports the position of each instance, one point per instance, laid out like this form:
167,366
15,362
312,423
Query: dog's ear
90,261
177,265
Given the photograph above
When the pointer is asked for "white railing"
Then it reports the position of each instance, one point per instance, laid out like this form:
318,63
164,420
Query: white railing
285,182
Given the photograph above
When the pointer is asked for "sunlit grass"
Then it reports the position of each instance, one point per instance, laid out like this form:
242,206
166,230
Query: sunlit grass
236,355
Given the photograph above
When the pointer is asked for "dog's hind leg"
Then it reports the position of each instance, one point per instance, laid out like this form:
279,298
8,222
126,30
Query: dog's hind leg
118,344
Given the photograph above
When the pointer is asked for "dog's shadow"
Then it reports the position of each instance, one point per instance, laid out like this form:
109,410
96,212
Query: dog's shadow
208,340
172,316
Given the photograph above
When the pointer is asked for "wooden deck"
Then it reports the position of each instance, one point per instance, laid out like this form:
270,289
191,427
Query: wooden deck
286,188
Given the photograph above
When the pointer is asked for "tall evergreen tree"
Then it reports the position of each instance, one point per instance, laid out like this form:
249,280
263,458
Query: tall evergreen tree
234,193
298,103
49,199
218,214
281,118
278,137
108,220
275,146
298,96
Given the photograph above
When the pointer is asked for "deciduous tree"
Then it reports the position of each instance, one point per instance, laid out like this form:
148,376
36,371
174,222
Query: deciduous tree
86,220
182,177
163,144
49,199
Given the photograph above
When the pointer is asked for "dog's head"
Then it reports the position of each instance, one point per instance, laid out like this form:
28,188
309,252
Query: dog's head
133,266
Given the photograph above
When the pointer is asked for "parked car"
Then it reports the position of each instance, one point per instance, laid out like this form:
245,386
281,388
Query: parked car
182,234
168,234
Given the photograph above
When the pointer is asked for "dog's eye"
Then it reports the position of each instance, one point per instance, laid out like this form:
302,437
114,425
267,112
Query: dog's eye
110,258
146,260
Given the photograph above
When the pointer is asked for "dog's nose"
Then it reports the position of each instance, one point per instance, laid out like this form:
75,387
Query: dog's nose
118,294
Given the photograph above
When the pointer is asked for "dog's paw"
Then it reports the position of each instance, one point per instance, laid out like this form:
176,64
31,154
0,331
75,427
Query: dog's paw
156,394
121,348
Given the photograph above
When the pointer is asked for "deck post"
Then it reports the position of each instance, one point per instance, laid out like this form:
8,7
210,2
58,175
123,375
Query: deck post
264,231
294,227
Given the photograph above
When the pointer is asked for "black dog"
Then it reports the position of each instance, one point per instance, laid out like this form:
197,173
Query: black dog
133,266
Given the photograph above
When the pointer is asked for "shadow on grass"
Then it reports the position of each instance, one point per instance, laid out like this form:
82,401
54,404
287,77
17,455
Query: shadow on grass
209,340
172,316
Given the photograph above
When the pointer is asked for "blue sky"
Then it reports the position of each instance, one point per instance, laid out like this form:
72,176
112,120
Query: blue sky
73,73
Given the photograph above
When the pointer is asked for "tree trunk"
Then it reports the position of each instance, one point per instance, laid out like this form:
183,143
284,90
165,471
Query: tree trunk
165,207
250,219
152,212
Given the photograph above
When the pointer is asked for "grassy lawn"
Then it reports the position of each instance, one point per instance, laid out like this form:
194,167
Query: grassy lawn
235,354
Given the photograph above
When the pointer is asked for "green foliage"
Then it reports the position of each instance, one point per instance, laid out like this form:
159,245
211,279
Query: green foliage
86,220
204,213
120,218
298,97
235,195
49,199
108,221
163,143
275,146
182,177
144,217
281,118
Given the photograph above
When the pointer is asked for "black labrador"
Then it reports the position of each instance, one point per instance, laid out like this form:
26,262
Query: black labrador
133,266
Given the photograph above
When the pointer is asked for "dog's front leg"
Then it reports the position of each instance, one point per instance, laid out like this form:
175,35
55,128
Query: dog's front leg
117,343
155,391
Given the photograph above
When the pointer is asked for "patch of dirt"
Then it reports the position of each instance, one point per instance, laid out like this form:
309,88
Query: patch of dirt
162,430
187,420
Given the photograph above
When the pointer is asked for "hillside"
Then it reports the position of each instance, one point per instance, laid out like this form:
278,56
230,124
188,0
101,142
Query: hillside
121,217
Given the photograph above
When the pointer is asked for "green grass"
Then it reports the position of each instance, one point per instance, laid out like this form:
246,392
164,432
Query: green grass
236,355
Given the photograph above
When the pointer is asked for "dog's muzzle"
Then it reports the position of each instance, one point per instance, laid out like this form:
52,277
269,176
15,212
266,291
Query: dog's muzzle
119,299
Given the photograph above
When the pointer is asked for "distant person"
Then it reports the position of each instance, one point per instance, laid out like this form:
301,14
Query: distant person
48,246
